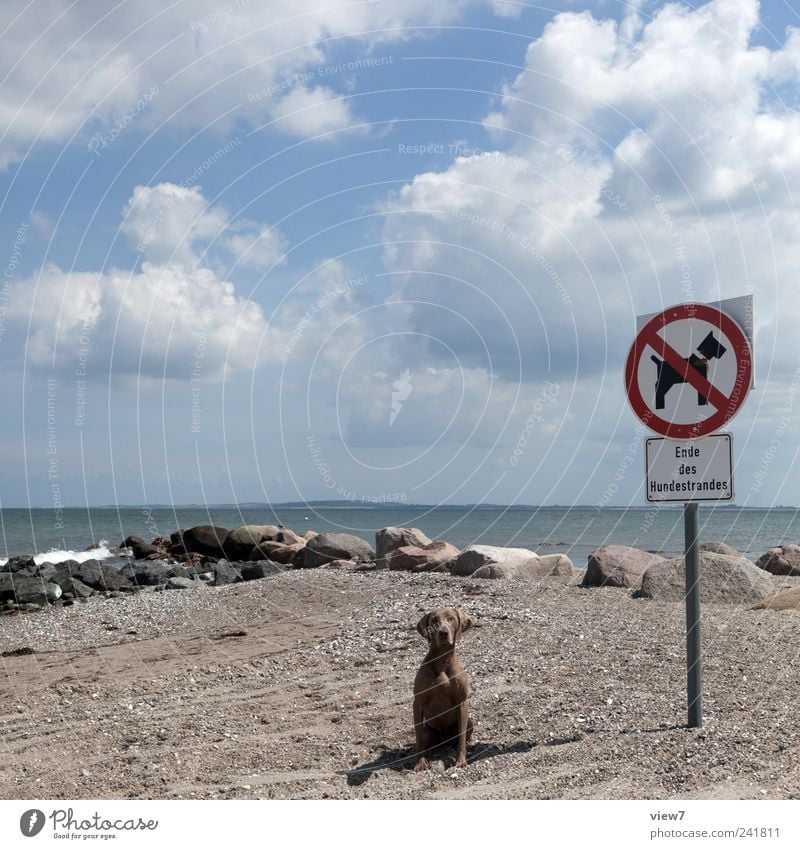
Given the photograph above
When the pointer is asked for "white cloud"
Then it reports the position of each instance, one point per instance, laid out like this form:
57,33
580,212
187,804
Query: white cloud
257,247
162,319
78,68
165,221
312,112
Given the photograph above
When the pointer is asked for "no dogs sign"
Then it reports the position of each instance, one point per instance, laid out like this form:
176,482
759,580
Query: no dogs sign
688,371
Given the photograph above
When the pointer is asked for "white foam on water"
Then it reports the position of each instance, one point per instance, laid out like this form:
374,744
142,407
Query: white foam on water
60,555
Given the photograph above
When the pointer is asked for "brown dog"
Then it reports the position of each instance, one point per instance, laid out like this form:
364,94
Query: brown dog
441,710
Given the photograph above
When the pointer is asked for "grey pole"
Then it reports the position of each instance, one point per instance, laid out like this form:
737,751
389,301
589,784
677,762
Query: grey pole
694,668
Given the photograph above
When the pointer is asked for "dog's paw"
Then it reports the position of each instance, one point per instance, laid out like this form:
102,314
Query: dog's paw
422,765
461,763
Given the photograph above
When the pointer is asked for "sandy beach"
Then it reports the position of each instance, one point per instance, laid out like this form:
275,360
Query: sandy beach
299,686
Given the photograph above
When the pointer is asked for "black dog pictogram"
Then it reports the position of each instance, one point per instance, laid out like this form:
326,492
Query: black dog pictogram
667,377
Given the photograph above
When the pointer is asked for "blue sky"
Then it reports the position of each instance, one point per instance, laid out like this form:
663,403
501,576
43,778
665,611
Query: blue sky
284,251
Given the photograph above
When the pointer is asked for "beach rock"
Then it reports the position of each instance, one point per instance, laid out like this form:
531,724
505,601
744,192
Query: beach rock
75,588
327,547
225,573
723,580
183,584
339,564
618,566
27,589
782,560
435,557
150,573
277,551
533,569
288,537
100,576
204,539
719,547
475,556
310,535
786,600
256,569
19,561
240,541
388,540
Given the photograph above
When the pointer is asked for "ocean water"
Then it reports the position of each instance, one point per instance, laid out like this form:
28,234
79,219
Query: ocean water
572,530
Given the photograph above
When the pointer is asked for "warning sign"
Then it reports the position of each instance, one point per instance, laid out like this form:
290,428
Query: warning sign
684,470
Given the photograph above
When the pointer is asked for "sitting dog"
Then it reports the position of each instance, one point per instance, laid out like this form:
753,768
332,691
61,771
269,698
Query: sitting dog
667,377
441,710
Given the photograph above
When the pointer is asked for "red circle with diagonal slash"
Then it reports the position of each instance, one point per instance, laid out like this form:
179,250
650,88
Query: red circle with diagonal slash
726,405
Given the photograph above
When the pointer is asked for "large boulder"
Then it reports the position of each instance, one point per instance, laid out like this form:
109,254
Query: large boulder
434,557
204,539
533,569
18,562
255,569
27,589
277,551
786,600
289,537
327,547
150,573
719,547
723,580
783,560
140,548
388,540
74,588
100,576
240,541
618,566
471,559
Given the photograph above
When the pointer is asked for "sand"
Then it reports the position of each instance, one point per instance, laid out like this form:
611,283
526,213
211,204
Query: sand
299,686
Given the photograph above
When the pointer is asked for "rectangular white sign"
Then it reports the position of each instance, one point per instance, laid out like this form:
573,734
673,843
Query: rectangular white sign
689,469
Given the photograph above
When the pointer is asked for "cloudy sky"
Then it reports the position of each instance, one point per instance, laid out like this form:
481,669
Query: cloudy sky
381,250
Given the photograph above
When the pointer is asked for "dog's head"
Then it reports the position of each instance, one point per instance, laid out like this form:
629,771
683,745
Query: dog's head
440,627
711,347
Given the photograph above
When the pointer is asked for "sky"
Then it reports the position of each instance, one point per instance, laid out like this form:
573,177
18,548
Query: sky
376,251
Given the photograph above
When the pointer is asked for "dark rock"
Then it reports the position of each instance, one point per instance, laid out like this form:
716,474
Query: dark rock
226,573
782,560
723,579
327,547
252,570
240,541
150,573
19,561
75,588
205,539
100,576
618,566
27,589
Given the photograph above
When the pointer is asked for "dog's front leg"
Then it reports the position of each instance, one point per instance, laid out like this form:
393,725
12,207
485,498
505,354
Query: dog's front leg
463,722
419,732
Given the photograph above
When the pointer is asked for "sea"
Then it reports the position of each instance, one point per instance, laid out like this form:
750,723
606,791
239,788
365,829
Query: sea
574,531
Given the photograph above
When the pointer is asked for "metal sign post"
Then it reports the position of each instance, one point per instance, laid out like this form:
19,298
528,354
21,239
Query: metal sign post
693,390
694,666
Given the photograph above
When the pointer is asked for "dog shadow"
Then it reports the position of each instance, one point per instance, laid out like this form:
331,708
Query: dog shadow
399,760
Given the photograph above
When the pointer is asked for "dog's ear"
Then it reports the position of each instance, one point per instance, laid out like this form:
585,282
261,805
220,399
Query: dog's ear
464,622
422,625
